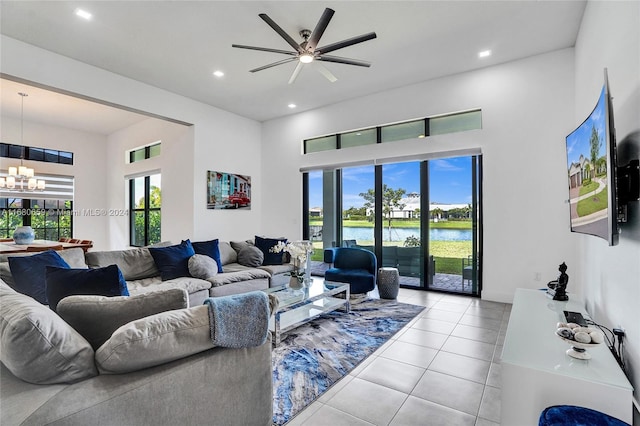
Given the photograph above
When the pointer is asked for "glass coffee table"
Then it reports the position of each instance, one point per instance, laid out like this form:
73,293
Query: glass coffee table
298,306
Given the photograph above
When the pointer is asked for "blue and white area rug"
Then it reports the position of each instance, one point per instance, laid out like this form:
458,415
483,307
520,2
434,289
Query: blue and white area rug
315,355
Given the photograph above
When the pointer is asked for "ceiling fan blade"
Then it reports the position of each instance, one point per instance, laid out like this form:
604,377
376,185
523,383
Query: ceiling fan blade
319,29
296,72
263,49
284,61
282,33
345,43
347,61
324,71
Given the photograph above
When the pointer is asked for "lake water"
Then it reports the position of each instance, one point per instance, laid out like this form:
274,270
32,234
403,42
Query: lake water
401,234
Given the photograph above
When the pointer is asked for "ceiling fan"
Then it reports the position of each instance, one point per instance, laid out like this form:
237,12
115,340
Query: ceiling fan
307,51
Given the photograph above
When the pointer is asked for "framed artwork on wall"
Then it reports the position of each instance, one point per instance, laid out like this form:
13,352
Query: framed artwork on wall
228,191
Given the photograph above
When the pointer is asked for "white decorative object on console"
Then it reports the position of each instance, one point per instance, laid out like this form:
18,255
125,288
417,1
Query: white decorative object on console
537,373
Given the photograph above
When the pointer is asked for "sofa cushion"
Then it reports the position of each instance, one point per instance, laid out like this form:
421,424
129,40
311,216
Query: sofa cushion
209,248
147,285
265,245
236,273
250,256
29,273
239,245
97,317
173,261
155,340
135,264
227,253
63,282
5,274
278,269
74,257
37,345
202,266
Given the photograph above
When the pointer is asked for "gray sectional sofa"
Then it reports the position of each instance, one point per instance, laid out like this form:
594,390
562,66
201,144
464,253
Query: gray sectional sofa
148,369
142,275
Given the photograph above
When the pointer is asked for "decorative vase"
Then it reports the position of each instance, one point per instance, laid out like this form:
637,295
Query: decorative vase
295,283
24,235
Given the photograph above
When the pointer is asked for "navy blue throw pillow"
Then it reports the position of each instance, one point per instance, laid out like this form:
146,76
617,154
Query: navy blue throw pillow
173,261
209,248
107,281
265,244
29,273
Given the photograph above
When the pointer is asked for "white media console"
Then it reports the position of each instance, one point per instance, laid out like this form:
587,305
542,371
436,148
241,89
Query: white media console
537,372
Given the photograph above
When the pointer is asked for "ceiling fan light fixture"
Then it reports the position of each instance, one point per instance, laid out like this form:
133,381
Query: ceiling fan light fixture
306,58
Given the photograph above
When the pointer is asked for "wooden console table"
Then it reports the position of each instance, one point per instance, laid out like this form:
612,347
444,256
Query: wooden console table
40,245
537,373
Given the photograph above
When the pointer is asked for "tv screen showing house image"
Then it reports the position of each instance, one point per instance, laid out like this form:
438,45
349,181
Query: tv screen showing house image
588,169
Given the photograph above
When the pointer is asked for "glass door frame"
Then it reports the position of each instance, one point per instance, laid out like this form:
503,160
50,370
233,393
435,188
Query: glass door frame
425,280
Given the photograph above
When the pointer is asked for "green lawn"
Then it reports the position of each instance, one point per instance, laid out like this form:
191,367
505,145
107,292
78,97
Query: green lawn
585,189
593,204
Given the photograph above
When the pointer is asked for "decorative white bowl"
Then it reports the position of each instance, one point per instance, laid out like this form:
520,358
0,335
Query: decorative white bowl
578,350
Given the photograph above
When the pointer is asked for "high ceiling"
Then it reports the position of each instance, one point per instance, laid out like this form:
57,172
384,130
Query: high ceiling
176,45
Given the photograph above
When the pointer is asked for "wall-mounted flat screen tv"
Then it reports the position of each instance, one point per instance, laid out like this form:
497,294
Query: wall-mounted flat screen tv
591,171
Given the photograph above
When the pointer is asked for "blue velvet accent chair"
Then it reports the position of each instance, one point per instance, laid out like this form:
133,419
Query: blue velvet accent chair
571,415
355,266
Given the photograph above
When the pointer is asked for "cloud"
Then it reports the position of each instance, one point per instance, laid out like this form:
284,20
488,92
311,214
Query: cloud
445,166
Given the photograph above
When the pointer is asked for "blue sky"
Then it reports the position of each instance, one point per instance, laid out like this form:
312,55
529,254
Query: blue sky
450,181
578,140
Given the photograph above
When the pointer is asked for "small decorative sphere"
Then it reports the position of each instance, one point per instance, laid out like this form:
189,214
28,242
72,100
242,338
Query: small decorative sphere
596,336
565,332
582,337
582,329
561,325
573,325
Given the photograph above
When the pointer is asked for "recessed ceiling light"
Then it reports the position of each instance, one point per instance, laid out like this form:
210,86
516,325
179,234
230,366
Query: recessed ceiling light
484,54
218,73
292,106
83,14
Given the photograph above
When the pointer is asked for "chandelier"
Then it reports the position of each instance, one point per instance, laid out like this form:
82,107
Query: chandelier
21,178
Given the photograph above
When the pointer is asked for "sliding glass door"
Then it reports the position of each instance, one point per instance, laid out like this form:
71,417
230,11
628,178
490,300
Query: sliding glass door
421,217
453,220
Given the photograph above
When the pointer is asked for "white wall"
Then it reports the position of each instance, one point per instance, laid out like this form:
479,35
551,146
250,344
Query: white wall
176,156
89,168
610,276
526,112
218,140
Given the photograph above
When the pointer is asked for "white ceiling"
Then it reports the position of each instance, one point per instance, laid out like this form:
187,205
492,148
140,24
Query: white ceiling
176,45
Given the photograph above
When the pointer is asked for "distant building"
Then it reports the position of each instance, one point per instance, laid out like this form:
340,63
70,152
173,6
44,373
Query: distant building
411,209
315,212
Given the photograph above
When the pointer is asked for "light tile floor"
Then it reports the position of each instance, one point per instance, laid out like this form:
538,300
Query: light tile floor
443,368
